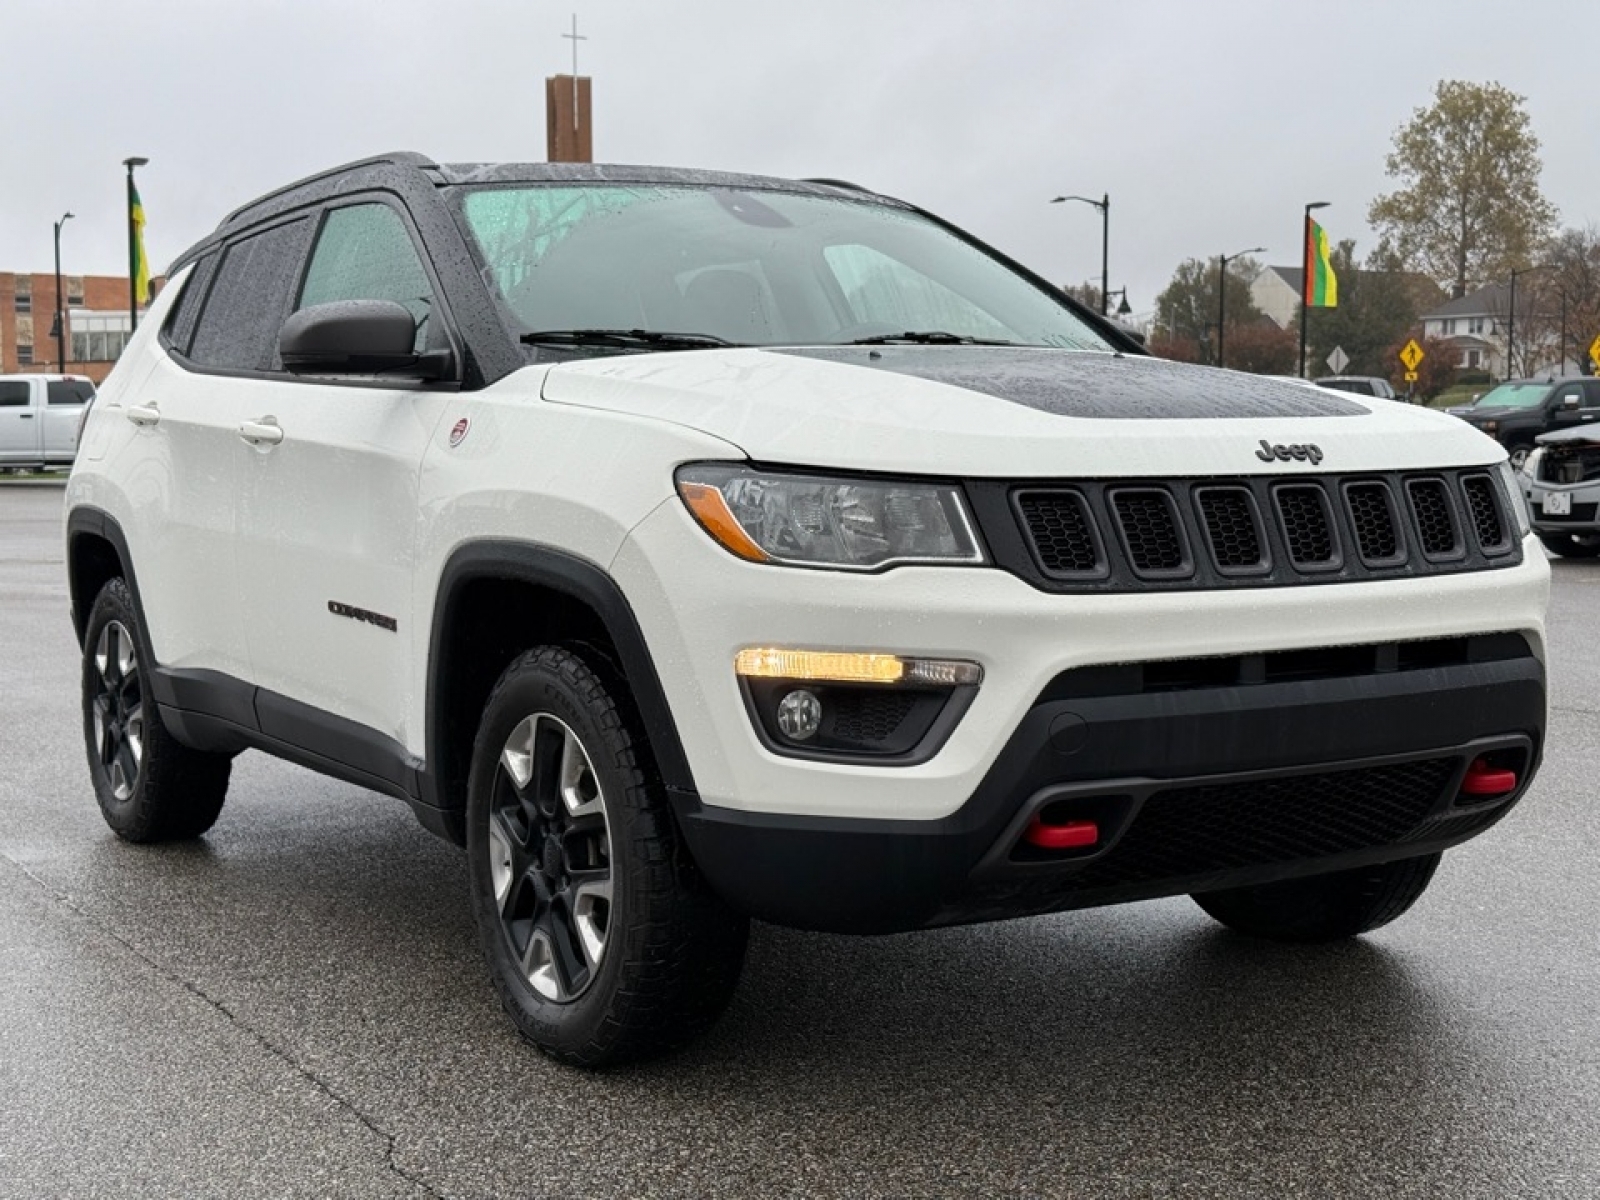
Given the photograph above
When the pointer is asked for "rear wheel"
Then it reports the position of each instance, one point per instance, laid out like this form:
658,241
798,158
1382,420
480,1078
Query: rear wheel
151,787
1572,545
1323,908
603,941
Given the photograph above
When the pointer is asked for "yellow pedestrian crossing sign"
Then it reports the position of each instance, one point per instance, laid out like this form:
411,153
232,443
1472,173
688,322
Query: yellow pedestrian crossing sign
1412,354
1594,351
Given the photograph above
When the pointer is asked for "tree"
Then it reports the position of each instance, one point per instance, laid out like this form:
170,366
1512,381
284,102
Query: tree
1187,309
1377,305
1470,207
1562,302
1263,349
1086,294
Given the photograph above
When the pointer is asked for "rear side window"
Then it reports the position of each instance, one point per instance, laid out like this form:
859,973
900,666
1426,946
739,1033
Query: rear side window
365,253
69,391
238,327
180,324
14,393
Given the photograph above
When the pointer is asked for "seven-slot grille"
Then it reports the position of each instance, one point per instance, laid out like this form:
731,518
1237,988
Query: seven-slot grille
1260,530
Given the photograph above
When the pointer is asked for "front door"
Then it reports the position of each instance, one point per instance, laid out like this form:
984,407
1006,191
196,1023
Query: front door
329,510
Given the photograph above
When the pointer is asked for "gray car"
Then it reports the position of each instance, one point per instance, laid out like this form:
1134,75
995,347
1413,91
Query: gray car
1561,479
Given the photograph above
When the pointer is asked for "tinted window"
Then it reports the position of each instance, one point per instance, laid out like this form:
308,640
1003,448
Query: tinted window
69,391
14,393
364,253
180,325
238,328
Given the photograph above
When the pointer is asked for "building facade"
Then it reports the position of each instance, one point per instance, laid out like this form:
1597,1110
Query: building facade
97,324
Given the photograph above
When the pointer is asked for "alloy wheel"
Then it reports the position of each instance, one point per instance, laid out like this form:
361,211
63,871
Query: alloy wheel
549,848
118,708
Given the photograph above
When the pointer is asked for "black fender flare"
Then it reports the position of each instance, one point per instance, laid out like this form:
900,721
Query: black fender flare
585,583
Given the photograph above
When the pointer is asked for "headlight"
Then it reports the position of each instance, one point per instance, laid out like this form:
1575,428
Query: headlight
1489,426
811,521
1519,502
1530,465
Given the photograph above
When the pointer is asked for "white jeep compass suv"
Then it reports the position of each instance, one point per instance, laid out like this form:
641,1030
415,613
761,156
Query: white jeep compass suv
697,547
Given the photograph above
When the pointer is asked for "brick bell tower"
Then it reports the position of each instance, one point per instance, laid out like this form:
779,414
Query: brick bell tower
569,134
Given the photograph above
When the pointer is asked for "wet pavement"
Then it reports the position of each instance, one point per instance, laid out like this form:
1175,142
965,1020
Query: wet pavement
295,1006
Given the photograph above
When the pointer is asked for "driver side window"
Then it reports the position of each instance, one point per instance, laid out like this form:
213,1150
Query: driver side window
363,252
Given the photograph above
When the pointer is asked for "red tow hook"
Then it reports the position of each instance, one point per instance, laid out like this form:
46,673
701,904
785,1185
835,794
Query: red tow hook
1070,835
1484,780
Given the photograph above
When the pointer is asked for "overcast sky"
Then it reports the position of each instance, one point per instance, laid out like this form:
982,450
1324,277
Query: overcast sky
1209,122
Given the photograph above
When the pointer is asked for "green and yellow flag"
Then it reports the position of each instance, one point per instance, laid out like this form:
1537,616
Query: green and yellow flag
141,262
1322,285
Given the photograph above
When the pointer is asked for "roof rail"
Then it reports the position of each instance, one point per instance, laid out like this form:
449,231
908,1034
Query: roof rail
842,183
397,158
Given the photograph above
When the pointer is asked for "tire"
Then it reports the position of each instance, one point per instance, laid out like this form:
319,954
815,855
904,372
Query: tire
1518,453
1571,545
1323,908
604,942
151,787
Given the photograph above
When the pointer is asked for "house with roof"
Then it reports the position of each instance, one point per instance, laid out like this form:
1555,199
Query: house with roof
1477,326
1276,291
1474,326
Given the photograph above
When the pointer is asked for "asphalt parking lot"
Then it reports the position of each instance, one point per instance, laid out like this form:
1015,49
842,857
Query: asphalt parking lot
295,1006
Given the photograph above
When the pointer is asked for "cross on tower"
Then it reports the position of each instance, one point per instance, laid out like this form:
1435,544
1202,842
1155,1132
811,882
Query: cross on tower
575,38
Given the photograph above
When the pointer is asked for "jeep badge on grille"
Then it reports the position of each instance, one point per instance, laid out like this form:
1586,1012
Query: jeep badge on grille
1307,452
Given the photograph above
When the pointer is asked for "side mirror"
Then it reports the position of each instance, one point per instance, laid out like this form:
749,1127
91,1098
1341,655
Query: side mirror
358,337
1570,401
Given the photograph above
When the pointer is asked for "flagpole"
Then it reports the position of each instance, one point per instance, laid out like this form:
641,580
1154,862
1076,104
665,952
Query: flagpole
1305,277
133,249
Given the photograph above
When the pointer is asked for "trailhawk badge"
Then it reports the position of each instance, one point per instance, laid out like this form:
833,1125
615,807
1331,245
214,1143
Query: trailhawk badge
458,432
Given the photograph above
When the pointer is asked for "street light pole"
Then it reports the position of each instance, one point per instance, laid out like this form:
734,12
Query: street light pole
1511,316
61,317
1222,293
1305,278
133,249
1104,205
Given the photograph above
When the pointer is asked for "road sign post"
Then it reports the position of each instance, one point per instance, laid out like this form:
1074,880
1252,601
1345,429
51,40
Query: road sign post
1412,356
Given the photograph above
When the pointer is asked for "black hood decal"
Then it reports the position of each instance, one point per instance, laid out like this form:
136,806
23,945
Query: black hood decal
1101,386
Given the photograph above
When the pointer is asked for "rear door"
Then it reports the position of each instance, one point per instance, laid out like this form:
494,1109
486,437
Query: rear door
183,519
19,422
329,512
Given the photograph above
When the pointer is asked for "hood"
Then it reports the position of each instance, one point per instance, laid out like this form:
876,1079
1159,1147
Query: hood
1013,412
1577,435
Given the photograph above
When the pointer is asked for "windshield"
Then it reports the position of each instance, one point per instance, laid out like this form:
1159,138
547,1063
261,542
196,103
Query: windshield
1513,395
750,267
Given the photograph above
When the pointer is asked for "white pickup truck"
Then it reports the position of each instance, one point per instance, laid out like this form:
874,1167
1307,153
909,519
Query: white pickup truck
39,419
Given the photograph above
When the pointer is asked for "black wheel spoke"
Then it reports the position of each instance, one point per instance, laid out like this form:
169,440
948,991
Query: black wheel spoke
118,708
549,851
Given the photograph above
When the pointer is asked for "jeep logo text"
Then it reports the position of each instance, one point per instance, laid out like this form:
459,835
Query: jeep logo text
1309,452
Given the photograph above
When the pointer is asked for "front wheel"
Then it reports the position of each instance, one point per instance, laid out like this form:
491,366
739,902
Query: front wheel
602,939
1518,454
1323,908
1572,545
151,787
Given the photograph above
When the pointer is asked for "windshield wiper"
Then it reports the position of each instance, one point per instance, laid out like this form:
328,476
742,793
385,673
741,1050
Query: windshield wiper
927,337
654,339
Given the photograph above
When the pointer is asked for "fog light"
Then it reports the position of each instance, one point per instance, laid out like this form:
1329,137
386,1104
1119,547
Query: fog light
799,715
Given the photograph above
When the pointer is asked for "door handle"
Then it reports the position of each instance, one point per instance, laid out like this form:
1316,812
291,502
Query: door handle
265,432
25,416
143,414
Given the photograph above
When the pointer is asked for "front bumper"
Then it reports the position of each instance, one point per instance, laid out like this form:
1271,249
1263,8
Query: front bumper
1193,789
